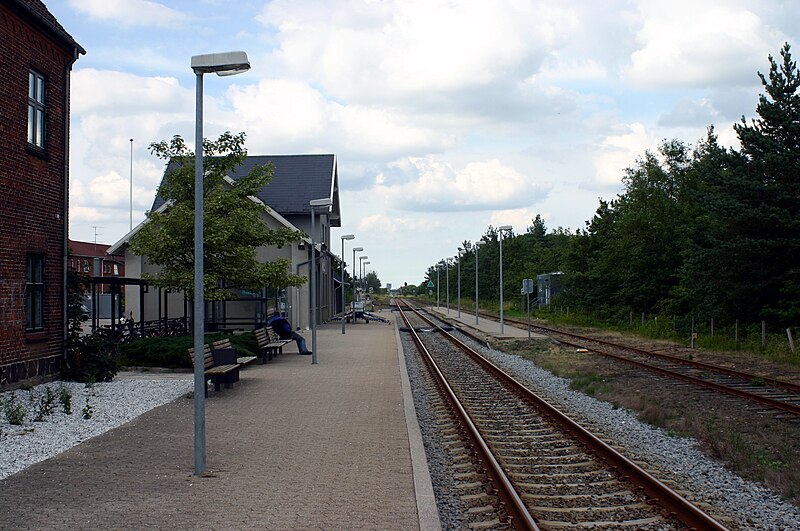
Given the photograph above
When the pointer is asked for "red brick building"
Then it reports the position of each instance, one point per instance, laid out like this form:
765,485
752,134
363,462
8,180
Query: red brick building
83,254
36,58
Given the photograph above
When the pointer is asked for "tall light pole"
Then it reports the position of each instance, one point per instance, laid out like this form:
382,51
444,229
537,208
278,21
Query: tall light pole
500,234
223,64
131,224
458,259
360,270
477,244
325,202
447,265
353,305
345,237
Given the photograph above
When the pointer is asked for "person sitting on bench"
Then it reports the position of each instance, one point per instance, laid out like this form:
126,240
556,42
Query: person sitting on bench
283,328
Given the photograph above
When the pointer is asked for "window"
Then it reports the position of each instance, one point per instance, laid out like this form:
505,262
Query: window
36,109
86,266
34,292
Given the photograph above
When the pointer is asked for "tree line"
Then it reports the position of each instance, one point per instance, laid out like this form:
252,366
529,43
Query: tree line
698,230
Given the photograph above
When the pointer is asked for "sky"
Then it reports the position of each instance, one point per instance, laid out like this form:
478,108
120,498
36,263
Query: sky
446,117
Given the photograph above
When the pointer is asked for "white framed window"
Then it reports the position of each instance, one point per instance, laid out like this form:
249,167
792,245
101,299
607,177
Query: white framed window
36,108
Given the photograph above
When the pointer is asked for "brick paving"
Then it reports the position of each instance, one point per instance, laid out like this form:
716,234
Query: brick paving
292,446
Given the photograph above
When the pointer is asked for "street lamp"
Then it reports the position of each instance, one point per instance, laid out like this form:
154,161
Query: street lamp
363,274
447,265
438,268
477,244
353,305
458,259
345,237
325,202
500,234
222,64
360,269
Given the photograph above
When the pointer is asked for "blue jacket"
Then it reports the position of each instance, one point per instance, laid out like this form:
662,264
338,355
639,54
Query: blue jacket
281,326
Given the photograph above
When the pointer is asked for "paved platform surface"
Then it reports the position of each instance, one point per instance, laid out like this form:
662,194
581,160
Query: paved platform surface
489,327
292,446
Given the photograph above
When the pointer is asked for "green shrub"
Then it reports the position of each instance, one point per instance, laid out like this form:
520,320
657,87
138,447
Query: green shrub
14,411
65,397
45,405
172,352
95,358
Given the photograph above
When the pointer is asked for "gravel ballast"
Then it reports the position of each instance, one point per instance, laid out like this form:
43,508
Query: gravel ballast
739,503
94,410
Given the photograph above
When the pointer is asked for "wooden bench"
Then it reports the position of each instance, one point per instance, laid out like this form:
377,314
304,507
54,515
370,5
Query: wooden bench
269,348
244,361
218,374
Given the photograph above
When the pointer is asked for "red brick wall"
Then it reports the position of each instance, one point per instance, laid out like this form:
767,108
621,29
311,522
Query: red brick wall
32,197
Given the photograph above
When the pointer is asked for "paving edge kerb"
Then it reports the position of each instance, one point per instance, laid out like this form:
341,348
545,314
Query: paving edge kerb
427,511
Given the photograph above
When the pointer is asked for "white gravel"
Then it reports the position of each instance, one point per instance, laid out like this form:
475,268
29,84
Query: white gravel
110,405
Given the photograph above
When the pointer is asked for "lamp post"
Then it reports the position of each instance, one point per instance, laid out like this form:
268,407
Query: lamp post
353,305
447,265
345,237
223,64
477,244
325,202
363,276
131,182
500,234
458,259
360,271
438,268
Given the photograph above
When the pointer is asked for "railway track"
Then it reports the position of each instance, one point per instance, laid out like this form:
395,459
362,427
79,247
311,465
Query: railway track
779,396
538,469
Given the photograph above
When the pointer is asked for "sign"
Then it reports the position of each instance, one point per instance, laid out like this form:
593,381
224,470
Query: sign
527,285
430,283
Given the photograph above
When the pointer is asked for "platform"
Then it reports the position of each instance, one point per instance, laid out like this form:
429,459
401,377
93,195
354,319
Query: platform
293,445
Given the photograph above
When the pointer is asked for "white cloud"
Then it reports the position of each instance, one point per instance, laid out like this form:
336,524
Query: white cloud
130,12
434,185
617,152
685,43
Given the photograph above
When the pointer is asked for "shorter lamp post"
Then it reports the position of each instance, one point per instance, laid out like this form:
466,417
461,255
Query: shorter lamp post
477,244
345,237
458,259
326,202
353,304
360,271
500,231
438,268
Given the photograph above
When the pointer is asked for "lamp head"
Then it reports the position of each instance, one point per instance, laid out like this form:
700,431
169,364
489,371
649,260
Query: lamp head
222,64
320,202
505,227
348,237
357,249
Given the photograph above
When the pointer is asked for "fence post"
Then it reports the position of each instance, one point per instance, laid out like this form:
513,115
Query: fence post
736,332
712,327
692,333
791,341
630,319
642,318
763,334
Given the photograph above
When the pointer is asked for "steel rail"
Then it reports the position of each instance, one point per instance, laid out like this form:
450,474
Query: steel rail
787,407
673,502
518,513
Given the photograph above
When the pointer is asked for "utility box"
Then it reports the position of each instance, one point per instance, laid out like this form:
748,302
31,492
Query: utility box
548,285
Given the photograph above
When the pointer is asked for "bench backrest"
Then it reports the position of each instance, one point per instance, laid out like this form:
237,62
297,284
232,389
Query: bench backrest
208,356
273,337
222,343
262,337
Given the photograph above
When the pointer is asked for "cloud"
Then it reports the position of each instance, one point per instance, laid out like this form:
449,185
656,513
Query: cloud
685,43
617,152
131,12
687,112
435,186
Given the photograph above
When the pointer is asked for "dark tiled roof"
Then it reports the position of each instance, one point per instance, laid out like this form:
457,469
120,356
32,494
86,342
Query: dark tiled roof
88,248
37,12
296,180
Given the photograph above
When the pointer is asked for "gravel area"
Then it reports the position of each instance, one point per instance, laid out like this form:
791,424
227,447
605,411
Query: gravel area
740,504
94,410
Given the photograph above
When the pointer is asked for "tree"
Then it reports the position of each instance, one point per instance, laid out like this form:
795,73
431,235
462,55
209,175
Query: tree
233,225
372,282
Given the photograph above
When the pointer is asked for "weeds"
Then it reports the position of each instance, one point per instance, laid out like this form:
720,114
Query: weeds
44,407
65,398
88,410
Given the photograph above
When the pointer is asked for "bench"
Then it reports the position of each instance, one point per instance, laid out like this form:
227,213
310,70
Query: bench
269,345
218,373
225,344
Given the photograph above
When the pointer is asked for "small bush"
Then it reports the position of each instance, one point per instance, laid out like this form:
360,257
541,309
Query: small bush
88,410
171,352
95,358
45,405
65,398
14,411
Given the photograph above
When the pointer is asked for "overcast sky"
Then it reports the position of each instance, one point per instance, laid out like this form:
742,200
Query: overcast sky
446,117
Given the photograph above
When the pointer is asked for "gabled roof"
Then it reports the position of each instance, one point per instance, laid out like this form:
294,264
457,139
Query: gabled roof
37,13
296,180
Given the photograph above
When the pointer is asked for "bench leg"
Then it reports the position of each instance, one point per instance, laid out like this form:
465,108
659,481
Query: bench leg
216,385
